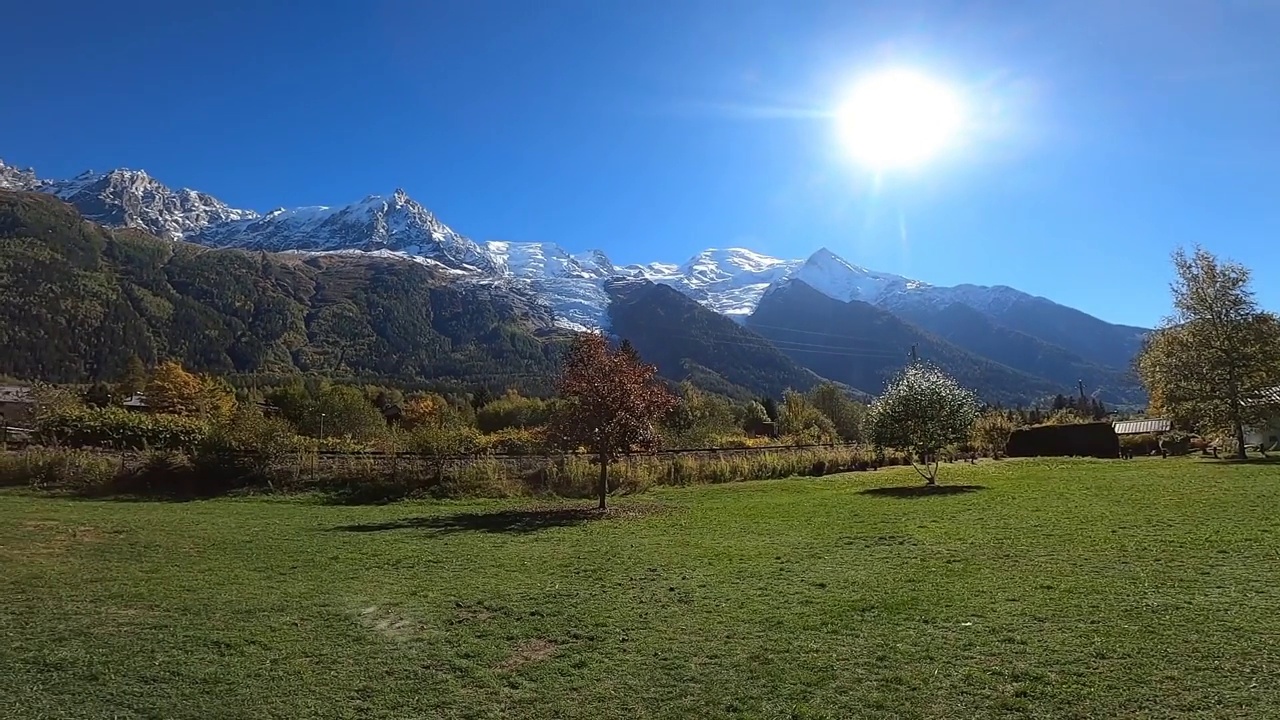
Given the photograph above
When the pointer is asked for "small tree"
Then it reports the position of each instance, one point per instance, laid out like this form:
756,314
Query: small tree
612,404
753,419
922,411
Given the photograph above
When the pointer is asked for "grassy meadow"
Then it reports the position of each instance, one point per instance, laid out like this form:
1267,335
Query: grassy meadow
1059,588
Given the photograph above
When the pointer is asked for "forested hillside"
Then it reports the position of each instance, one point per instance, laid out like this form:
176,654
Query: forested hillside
970,330
77,300
689,341
863,346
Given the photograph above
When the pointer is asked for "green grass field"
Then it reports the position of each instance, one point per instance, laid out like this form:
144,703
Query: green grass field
1051,589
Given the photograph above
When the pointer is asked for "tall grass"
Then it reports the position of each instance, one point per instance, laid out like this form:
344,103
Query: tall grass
361,478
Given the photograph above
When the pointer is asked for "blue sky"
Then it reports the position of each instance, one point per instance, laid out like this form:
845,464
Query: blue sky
1101,134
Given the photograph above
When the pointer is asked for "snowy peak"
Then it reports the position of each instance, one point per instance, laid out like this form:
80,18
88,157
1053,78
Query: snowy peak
394,223
715,266
12,178
131,198
531,260
832,275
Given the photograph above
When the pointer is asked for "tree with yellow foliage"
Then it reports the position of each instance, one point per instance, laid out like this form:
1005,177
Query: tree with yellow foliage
173,390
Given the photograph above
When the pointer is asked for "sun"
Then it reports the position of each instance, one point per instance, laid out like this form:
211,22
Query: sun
898,119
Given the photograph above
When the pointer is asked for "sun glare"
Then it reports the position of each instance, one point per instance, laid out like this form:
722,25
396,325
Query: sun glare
898,119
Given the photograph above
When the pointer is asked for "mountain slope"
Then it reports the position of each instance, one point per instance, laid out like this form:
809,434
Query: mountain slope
863,346
973,331
685,339
1079,333
76,300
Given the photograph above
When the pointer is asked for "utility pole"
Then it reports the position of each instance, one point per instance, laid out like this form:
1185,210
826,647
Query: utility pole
1080,384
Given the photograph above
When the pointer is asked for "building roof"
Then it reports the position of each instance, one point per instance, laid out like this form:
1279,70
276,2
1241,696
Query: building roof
1142,427
137,400
15,394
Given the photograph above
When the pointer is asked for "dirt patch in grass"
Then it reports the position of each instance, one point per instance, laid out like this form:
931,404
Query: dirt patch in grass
388,622
43,538
530,651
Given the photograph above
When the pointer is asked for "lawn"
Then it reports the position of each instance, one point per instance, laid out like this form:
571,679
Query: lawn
1148,588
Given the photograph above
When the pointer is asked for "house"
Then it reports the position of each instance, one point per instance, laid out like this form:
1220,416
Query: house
1142,427
17,406
1267,434
136,402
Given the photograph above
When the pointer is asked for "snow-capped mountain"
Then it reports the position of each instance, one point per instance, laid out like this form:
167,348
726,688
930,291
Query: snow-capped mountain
131,198
394,223
571,285
730,281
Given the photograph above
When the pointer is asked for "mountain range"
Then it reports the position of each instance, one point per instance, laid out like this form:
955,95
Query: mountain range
1025,346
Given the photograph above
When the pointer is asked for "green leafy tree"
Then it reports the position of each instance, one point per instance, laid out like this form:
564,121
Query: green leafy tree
802,423
770,408
293,401
133,378
845,413
344,411
753,418
700,420
922,411
1212,361
99,395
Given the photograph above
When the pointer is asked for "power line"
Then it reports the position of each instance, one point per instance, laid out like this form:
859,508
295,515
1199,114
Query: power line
798,347
811,332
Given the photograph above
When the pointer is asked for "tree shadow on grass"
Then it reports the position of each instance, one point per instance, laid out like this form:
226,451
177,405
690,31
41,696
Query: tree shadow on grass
517,521
919,491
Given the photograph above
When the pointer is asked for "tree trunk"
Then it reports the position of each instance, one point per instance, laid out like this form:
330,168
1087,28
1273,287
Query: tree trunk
1240,440
604,480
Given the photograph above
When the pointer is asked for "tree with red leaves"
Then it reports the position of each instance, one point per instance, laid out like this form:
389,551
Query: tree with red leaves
612,403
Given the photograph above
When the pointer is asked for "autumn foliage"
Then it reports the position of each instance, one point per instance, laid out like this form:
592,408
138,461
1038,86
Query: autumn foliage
612,403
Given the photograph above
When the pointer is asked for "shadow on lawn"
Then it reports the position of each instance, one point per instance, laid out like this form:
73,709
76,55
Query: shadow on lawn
503,521
919,491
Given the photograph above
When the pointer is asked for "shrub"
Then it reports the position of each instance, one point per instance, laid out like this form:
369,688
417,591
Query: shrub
512,411
443,440
246,444
119,429
513,441
55,468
